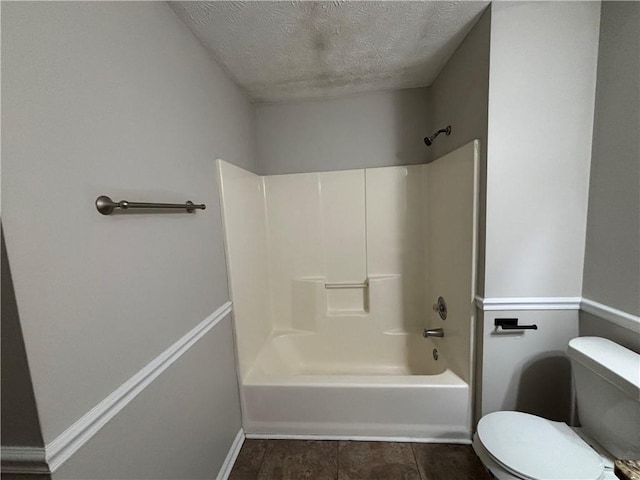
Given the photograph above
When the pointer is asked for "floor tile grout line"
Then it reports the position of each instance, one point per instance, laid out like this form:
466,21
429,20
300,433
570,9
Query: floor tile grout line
415,460
264,454
416,451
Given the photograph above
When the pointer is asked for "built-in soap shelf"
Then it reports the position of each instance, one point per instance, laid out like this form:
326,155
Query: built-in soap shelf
347,298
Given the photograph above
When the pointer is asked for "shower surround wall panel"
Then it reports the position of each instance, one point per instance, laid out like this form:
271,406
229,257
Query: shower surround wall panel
295,240
347,262
246,249
452,184
342,204
316,231
396,216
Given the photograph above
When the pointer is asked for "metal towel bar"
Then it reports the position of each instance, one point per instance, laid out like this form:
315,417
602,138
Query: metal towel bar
106,206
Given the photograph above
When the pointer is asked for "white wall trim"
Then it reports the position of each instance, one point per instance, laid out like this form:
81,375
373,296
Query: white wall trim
69,441
230,459
623,319
613,315
357,438
24,460
528,303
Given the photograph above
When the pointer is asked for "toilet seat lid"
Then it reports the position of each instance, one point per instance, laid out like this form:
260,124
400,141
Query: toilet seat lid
534,448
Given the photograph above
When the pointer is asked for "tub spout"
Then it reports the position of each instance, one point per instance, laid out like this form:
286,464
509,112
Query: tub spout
433,332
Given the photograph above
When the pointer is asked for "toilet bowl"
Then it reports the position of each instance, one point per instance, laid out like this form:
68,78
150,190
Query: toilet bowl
520,446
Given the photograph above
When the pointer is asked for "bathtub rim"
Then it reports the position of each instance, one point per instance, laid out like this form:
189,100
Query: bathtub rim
272,348
446,379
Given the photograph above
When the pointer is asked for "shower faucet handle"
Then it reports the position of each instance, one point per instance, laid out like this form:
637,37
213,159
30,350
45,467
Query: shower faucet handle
441,308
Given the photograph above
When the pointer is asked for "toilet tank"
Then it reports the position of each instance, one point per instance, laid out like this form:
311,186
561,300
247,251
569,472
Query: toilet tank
607,381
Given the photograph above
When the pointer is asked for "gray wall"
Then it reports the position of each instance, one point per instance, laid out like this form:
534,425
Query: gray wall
118,99
541,100
592,325
459,97
527,371
20,424
367,130
177,428
612,257
542,80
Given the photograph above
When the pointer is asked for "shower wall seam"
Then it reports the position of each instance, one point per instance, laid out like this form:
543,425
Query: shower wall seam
366,227
265,212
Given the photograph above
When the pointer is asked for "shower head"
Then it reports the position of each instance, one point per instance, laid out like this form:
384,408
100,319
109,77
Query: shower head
429,140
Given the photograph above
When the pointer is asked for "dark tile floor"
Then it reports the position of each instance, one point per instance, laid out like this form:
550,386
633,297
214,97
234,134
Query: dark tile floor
338,460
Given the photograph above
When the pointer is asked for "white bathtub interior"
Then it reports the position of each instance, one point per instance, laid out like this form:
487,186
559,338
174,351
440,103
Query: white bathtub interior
333,276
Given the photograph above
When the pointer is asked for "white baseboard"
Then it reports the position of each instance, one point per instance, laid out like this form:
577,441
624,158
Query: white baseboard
623,319
68,442
356,438
231,457
24,460
528,303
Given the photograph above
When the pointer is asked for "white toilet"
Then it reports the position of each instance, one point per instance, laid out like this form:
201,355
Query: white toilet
519,446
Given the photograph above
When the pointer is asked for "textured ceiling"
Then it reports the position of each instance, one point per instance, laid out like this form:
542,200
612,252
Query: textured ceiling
299,49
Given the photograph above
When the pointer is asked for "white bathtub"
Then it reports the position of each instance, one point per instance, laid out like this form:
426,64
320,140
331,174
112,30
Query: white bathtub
332,288
307,385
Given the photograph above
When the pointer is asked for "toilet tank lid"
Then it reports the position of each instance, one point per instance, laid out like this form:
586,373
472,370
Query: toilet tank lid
613,362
